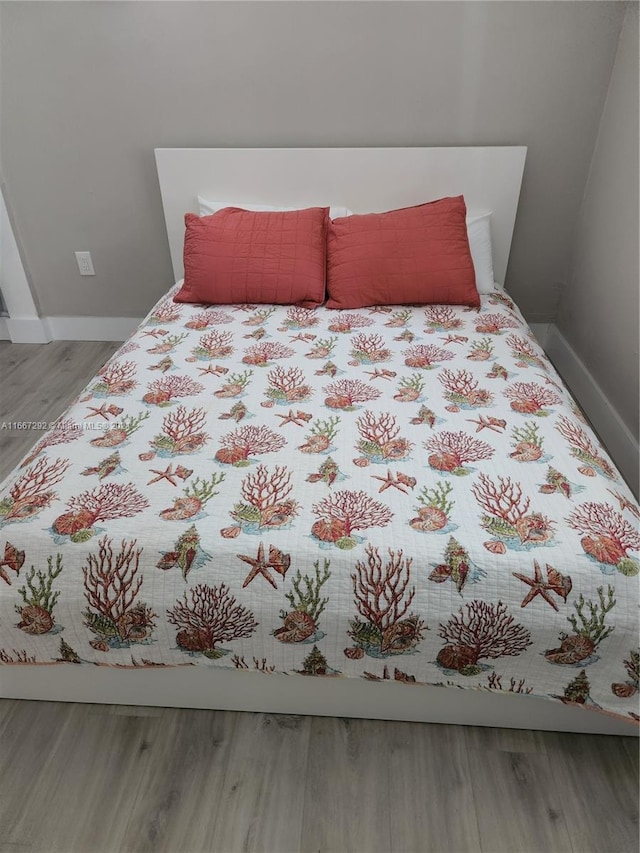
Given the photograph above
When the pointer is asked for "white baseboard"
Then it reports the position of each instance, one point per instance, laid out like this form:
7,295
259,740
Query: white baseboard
25,330
41,330
540,332
92,328
614,433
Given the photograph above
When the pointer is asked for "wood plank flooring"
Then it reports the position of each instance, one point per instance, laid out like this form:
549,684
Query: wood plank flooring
100,779
37,383
113,779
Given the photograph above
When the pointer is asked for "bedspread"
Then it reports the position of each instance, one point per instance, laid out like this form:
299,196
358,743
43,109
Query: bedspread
403,493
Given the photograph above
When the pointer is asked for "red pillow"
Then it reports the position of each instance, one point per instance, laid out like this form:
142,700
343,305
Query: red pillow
415,255
244,256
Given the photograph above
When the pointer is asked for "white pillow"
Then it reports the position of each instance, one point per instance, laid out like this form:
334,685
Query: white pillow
209,207
479,233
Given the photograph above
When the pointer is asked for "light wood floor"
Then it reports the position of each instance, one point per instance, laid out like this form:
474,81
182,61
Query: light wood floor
105,779
37,383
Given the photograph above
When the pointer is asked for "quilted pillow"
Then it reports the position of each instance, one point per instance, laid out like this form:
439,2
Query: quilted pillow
247,256
415,255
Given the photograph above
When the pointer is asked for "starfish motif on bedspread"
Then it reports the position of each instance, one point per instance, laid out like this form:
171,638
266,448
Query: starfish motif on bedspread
277,561
168,474
400,482
214,371
455,339
494,424
556,582
103,411
155,333
298,418
306,337
381,374
625,503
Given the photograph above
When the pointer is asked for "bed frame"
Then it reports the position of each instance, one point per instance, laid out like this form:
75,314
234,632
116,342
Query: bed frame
366,180
363,179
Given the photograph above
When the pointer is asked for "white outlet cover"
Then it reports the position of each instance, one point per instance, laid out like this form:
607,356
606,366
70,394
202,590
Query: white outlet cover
85,264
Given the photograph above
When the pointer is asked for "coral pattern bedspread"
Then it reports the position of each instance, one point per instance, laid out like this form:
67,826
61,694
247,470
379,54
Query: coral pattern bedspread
398,493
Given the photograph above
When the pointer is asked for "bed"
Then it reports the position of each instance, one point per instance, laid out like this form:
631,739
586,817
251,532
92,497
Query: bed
268,507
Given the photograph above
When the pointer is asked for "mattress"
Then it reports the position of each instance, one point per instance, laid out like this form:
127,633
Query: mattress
391,493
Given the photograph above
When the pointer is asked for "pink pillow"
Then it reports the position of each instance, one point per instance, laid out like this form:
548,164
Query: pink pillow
415,255
246,256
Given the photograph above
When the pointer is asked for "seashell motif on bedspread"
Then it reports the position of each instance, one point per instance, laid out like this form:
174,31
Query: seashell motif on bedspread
321,491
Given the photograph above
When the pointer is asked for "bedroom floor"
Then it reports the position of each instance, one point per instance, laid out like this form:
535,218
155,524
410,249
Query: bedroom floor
102,779
37,383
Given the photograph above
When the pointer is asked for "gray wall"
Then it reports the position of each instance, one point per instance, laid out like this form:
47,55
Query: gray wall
89,89
599,309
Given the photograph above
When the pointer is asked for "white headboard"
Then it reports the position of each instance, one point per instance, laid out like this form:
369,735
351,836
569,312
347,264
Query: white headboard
366,180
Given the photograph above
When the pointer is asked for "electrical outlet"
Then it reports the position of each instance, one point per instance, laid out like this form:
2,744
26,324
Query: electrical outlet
85,264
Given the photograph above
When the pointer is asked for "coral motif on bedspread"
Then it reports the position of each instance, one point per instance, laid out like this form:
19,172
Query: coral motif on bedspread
391,493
